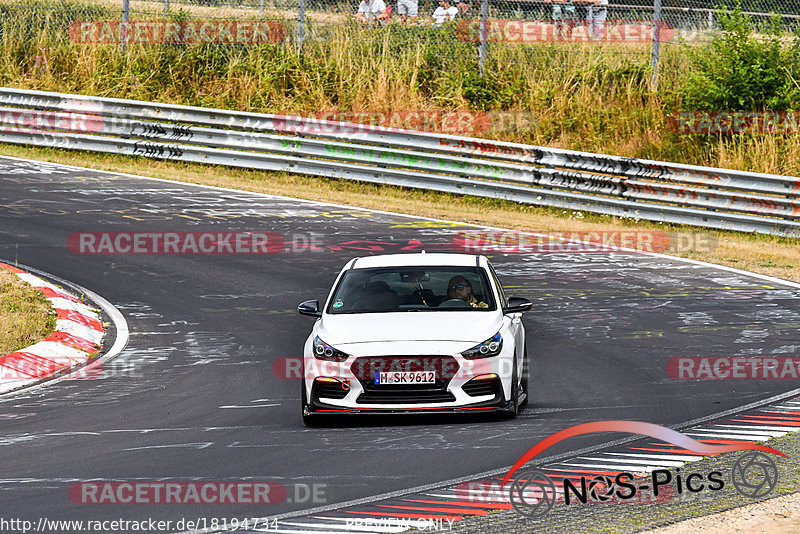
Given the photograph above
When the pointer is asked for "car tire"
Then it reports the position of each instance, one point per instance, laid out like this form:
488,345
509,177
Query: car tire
308,420
513,406
525,376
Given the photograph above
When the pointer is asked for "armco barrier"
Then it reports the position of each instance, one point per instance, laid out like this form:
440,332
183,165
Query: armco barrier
612,185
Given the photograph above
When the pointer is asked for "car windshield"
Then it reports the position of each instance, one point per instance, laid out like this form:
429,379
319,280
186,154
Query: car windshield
397,289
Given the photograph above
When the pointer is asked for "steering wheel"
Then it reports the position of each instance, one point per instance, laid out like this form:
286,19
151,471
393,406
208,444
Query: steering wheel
454,303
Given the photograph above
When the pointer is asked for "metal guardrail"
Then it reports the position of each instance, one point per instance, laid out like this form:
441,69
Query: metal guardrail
612,185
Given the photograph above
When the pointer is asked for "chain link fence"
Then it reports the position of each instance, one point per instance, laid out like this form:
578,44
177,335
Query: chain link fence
473,30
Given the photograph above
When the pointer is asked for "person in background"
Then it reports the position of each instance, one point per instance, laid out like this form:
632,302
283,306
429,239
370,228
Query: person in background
596,14
565,15
463,9
445,12
407,9
370,10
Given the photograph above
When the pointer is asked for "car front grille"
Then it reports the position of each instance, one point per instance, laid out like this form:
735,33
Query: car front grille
365,368
405,396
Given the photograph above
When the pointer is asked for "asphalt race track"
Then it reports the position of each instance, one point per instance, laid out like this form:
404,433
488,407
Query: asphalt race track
195,395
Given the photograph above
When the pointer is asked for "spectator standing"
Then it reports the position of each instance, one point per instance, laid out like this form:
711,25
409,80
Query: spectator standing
370,10
596,15
407,9
445,12
565,15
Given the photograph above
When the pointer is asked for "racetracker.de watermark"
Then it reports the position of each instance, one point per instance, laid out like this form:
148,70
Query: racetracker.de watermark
292,367
24,121
734,122
599,241
176,243
734,368
26,366
536,31
186,32
76,118
195,492
334,122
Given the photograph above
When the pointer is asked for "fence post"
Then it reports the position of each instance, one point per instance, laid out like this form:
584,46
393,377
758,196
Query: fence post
261,9
656,44
484,32
710,19
126,10
166,7
301,23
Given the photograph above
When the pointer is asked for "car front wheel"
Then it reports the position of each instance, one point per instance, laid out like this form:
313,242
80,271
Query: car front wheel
526,377
512,409
308,419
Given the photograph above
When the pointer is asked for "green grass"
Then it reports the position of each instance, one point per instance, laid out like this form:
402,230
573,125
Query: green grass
25,314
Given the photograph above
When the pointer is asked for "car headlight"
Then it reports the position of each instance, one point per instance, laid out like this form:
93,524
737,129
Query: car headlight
323,351
487,349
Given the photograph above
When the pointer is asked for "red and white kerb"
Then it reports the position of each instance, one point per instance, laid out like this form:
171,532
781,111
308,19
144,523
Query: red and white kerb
78,337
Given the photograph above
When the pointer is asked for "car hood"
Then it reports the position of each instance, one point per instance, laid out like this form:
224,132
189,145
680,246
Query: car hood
461,326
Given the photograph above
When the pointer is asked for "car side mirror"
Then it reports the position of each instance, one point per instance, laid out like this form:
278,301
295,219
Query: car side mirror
309,307
517,305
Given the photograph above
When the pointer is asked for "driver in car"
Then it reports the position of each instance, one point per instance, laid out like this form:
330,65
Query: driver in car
460,288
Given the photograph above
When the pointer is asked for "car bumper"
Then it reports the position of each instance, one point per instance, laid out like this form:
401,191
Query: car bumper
331,398
317,407
461,385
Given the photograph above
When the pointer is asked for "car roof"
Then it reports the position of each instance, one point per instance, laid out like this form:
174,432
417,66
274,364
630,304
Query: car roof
418,260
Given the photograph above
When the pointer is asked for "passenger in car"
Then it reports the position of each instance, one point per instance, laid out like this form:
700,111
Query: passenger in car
460,288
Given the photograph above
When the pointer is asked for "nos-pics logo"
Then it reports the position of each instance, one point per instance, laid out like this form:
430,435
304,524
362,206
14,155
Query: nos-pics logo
532,493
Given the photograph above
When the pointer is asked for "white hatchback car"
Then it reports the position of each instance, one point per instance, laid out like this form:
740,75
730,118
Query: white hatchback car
422,332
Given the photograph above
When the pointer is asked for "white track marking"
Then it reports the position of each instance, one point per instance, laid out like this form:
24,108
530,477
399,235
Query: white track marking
630,461
735,437
668,457
751,435
613,467
198,446
784,429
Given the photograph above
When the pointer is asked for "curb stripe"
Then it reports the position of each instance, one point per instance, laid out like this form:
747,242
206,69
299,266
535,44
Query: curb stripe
467,511
793,425
29,364
81,319
499,506
79,330
50,293
11,268
75,342
668,457
66,304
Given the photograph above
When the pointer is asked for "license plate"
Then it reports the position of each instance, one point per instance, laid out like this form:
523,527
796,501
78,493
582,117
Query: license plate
412,377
